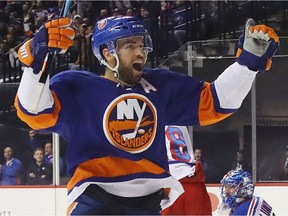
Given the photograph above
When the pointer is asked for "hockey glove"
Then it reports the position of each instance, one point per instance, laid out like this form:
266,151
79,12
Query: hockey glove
257,46
53,36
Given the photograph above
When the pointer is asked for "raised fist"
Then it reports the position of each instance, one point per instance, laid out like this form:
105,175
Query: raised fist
256,46
54,36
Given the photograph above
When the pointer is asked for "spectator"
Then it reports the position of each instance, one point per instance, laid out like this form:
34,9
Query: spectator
239,162
11,171
121,6
40,172
116,12
26,9
179,21
130,12
286,162
284,166
237,192
145,18
54,12
39,11
77,22
48,156
198,158
103,14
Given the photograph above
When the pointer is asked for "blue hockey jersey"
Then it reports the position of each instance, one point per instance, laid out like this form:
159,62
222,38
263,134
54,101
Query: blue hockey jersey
116,135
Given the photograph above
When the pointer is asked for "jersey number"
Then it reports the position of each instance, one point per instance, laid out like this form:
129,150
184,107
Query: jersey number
178,145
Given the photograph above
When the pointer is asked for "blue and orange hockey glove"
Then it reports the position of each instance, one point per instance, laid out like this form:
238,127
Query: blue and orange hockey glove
53,36
257,46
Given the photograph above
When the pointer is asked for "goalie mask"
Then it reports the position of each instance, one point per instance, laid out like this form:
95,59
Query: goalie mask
108,31
236,185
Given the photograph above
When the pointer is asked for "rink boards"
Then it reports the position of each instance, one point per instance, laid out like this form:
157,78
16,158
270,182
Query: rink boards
48,200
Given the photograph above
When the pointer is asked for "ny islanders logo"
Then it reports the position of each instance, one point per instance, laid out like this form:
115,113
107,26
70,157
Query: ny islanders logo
130,123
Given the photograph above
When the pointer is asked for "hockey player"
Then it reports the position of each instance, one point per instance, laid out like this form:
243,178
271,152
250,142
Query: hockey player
114,124
237,191
195,199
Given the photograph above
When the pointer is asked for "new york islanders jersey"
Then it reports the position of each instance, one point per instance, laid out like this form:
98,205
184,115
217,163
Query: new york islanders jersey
253,207
115,135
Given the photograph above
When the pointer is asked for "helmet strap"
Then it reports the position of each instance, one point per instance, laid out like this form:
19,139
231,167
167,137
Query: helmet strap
115,70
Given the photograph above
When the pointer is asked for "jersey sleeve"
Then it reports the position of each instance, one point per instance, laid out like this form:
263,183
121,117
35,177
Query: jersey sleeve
194,102
48,107
57,92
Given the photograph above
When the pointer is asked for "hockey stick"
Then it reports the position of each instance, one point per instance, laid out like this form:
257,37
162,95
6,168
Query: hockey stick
47,64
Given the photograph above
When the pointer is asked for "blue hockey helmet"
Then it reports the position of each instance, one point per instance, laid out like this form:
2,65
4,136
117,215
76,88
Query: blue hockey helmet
236,185
107,31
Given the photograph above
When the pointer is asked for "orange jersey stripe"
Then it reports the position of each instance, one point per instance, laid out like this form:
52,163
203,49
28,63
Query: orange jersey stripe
98,168
71,208
41,121
207,113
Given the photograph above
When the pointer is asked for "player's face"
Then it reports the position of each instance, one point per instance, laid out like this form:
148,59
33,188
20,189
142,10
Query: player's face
132,57
230,190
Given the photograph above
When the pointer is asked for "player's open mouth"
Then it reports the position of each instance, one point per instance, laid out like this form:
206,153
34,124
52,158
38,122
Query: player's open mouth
138,66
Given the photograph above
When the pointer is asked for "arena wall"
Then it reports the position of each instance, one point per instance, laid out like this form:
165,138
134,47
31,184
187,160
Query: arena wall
46,201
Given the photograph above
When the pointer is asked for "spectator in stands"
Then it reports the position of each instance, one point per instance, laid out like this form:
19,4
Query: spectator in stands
48,156
19,31
81,45
286,162
26,9
145,18
284,166
198,158
86,21
103,14
54,12
39,11
13,17
40,172
239,162
116,12
211,24
77,22
12,42
11,171
130,12
179,23
120,5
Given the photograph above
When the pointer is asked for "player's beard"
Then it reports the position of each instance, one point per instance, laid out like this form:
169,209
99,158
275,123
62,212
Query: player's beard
129,75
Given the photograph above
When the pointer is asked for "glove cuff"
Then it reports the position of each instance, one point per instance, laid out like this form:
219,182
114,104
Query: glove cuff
252,61
25,54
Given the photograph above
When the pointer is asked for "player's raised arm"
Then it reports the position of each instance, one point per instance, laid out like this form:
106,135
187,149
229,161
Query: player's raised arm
53,36
256,47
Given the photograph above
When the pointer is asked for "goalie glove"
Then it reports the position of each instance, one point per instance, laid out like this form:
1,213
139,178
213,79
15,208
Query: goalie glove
53,36
257,46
